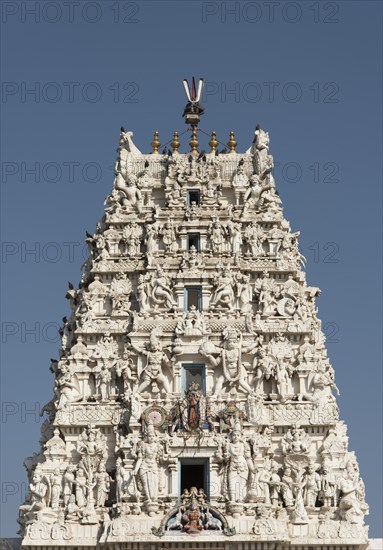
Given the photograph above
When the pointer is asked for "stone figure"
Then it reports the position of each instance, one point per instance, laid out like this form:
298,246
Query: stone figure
223,295
192,323
68,483
296,441
131,236
195,406
236,457
72,509
56,488
162,294
349,504
150,452
80,488
40,493
123,479
235,239
143,292
132,197
151,241
254,237
312,486
102,485
217,234
169,237
328,486
244,292
240,179
287,484
155,358
275,237
230,358
103,380
252,194
67,387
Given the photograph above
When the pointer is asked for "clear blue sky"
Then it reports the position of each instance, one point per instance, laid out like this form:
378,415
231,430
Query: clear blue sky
309,72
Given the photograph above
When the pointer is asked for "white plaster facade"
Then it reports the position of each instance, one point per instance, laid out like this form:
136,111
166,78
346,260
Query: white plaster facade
193,397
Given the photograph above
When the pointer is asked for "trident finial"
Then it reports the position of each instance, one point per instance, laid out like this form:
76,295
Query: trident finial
193,109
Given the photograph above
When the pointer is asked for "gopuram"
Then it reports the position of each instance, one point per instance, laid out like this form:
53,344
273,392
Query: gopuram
194,405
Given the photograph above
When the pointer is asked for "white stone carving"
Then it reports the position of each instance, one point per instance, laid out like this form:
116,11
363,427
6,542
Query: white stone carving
148,395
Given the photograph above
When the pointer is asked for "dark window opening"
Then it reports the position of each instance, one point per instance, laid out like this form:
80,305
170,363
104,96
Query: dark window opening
193,298
194,473
193,198
193,373
193,240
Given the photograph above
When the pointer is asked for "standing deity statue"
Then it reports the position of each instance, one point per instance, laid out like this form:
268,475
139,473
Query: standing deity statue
235,239
218,235
80,488
254,237
56,488
102,485
169,237
328,486
150,452
236,457
68,484
312,486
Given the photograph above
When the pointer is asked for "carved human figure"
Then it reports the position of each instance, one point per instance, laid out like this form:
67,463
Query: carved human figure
275,238
217,235
235,239
56,488
244,292
254,237
132,195
103,382
143,293
149,453
224,292
72,509
349,505
274,483
67,387
266,300
131,235
230,358
287,487
102,485
80,490
169,237
124,370
152,371
122,480
68,483
328,486
39,490
296,441
252,194
237,458
312,486
161,291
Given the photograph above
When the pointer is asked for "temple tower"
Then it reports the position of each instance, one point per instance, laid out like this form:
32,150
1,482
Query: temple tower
193,397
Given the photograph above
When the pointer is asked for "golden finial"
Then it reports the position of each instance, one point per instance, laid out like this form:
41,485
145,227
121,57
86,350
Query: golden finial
194,142
175,143
155,143
213,142
232,143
